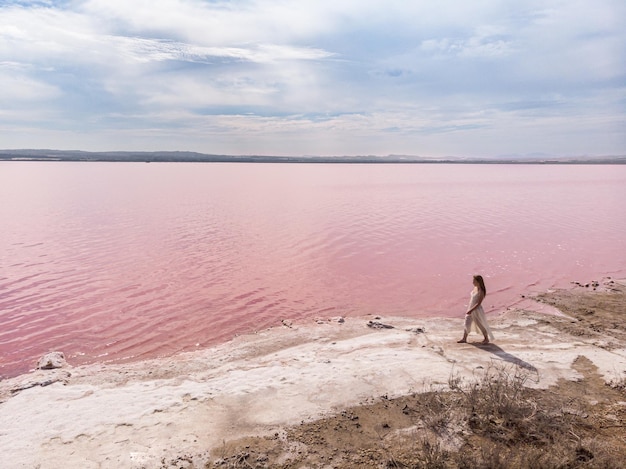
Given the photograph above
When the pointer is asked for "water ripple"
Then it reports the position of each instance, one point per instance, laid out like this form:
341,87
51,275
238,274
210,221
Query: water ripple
187,255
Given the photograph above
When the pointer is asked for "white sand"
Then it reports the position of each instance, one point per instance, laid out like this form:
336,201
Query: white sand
132,416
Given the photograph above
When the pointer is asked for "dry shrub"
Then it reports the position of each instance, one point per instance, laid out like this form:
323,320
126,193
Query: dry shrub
507,426
436,411
498,394
433,456
498,405
517,427
425,455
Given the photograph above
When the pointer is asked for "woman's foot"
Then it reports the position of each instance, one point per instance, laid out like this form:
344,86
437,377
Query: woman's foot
485,342
462,341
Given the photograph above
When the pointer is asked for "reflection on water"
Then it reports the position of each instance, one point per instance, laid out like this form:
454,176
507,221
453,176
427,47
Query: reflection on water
124,261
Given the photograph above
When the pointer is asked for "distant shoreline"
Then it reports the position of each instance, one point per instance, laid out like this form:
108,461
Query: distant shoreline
192,157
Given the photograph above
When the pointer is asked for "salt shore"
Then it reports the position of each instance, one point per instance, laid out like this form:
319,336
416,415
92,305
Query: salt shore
135,415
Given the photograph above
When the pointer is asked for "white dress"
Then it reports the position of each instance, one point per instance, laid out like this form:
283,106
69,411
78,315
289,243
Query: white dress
477,320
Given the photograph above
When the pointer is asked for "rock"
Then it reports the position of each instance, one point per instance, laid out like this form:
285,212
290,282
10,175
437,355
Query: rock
52,360
38,378
378,325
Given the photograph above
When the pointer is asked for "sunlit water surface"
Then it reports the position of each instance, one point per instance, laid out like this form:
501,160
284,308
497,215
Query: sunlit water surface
123,261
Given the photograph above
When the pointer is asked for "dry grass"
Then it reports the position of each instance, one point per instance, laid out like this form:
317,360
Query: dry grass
508,425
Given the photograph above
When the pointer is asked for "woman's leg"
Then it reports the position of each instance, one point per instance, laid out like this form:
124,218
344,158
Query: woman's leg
466,329
484,331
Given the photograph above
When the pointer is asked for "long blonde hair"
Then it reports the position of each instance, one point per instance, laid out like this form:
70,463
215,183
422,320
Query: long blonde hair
481,283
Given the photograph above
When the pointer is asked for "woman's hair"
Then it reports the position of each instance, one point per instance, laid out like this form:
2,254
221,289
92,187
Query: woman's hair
481,283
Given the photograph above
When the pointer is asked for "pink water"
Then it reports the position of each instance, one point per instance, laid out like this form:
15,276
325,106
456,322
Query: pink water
111,262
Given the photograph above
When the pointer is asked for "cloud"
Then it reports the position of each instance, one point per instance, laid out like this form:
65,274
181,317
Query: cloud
393,76
473,47
17,86
147,50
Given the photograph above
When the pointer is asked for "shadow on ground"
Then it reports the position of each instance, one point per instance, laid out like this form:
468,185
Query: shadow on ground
505,356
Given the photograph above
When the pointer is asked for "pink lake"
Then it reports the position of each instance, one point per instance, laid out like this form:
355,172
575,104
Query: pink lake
125,261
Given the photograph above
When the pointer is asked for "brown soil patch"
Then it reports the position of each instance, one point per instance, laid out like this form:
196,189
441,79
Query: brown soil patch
596,311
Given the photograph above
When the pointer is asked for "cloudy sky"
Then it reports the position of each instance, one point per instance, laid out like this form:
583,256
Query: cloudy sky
476,78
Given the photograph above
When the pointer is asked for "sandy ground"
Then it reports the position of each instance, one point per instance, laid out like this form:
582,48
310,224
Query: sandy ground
137,415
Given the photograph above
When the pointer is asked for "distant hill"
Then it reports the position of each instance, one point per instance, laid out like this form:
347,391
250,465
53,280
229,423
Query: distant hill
186,156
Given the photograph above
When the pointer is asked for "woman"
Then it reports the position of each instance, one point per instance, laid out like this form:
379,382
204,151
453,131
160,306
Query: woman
475,315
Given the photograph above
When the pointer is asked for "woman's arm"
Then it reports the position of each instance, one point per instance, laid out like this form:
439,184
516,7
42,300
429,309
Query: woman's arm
481,296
